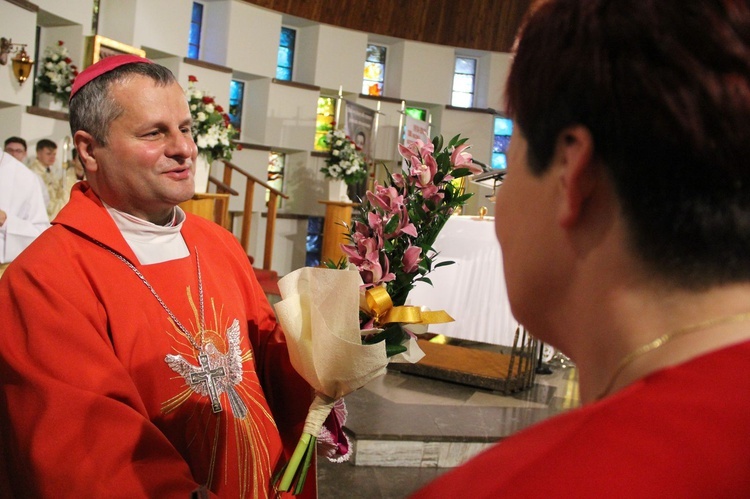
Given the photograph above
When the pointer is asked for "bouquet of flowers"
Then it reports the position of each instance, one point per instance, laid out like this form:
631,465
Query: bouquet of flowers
344,324
346,161
212,132
56,73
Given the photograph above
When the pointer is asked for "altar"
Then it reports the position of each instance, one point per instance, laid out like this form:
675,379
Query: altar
472,290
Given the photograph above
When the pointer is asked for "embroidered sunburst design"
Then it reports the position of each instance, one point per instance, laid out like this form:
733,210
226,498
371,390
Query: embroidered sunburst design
215,371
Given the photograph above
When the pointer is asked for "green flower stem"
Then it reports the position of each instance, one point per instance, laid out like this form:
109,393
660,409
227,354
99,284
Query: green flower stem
303,448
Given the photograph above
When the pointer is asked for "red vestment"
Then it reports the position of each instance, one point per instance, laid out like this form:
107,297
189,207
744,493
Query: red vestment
91,408
679,432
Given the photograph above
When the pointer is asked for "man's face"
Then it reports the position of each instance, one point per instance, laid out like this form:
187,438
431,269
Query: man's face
147,166
16,150
46,156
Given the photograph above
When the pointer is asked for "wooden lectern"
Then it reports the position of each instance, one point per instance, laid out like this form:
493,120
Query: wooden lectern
334,233
214,207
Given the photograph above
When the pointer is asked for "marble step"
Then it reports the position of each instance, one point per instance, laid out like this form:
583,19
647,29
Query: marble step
404,420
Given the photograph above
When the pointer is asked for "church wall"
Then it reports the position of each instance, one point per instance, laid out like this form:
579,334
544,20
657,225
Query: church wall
306,51
426,73
217,17
117,20
255,110
75,11
163,25
340,58
496,68
290,118
253,39
10,118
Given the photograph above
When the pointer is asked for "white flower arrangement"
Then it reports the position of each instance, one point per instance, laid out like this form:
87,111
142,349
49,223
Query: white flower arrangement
346,161
57,73
212,132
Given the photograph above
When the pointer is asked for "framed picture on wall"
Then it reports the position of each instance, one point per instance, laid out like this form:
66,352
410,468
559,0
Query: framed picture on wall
98,47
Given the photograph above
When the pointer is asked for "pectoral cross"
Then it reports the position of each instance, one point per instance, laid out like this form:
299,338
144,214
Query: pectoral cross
209,377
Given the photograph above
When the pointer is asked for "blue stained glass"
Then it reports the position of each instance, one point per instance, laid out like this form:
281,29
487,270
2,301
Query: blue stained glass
288,36
503,126
500,143
284,74
499,161
314,241
194,39
197,15
285,57
236,96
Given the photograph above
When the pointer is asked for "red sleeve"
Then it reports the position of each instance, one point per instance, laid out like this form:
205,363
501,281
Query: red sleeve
61,393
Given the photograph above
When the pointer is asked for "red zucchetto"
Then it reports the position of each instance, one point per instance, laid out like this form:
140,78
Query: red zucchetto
104,66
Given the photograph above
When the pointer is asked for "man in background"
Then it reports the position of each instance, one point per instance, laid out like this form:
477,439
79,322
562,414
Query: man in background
43,166
16,147
624,221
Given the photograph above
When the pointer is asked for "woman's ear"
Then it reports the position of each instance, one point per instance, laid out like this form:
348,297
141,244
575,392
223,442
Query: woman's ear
85,144
574,156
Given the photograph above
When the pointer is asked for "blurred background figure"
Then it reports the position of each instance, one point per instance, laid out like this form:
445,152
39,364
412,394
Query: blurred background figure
23,215
16,147
52,176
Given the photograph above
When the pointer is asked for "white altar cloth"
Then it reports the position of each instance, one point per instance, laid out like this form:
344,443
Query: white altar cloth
472,290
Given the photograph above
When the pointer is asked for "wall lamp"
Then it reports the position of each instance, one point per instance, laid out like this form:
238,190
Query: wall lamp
22,63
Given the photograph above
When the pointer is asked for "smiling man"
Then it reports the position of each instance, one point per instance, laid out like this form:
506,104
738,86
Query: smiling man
139,354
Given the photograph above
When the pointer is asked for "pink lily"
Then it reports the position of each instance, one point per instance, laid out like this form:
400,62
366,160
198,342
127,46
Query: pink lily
461,159
412,258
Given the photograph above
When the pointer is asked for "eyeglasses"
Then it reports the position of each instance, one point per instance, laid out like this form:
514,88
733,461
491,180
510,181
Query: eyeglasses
12,150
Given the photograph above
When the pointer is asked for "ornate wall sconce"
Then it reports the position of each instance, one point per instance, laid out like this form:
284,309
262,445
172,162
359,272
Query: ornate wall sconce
22,63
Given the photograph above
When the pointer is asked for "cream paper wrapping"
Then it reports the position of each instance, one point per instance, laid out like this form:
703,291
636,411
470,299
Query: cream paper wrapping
319,313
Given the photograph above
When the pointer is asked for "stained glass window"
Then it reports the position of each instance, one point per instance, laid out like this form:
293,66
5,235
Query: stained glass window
236,95
324,122
502,131
416,113
374,75
196,25
464,74
314,246
285,58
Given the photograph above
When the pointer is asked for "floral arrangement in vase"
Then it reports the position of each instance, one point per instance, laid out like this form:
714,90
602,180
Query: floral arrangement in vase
212,131
346,161
56,73
345,323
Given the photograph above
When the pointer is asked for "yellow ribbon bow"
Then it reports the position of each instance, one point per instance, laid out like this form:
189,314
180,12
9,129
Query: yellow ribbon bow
378,304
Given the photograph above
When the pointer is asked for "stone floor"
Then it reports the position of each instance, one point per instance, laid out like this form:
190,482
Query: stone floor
409,429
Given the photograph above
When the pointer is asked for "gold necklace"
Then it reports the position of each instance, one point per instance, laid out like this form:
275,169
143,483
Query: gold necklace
666,338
